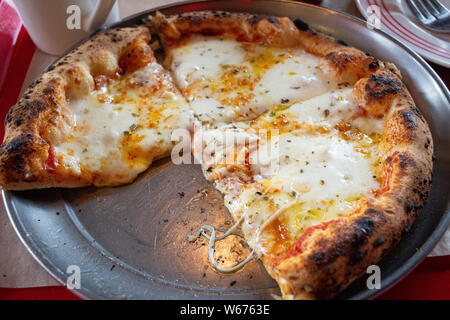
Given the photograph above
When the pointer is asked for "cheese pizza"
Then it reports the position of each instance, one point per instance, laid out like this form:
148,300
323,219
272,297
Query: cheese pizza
318,148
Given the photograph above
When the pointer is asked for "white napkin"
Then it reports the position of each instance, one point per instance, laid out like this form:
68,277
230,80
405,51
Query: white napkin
443,246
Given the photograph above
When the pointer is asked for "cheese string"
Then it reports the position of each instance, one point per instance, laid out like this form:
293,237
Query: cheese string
212,240
211,247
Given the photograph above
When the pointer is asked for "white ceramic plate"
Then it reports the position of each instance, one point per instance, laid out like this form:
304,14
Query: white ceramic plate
397,19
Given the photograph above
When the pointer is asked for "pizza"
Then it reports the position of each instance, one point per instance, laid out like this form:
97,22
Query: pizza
318,148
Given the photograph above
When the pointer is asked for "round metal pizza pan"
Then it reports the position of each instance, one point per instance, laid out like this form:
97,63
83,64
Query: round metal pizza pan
130,242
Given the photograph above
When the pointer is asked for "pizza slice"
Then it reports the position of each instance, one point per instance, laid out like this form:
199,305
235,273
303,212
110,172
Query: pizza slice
321,155
99,116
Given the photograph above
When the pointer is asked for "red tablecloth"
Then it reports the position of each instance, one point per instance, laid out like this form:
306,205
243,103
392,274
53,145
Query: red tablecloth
430,280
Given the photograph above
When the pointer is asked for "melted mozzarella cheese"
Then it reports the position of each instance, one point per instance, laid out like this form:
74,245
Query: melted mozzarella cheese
205,58
318,167
294,79
313,179
326,111
226,80
121,128
99,128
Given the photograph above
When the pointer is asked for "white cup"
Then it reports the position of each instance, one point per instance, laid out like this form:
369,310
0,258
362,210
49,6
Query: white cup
56,25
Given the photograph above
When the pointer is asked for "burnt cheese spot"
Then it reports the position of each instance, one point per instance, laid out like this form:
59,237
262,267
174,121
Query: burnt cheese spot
18,121
379,241
364,228
340,60
416,111
357,256
48,91
301,25
342,42
15,154
382,85
197,19
365,225
409,206
319,257
8,117
409,120
376,214
374,65
256,18
272,20
35,108
406,161
20,144
18,163
116,38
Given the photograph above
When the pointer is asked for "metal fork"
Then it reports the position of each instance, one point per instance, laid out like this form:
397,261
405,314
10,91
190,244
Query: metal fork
432,14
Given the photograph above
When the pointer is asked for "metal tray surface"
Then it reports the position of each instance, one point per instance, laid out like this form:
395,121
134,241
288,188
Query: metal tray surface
130,242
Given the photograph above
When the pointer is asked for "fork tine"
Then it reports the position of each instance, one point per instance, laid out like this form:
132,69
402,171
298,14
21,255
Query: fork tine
417,11
431,8
439,6
435,21
423,9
